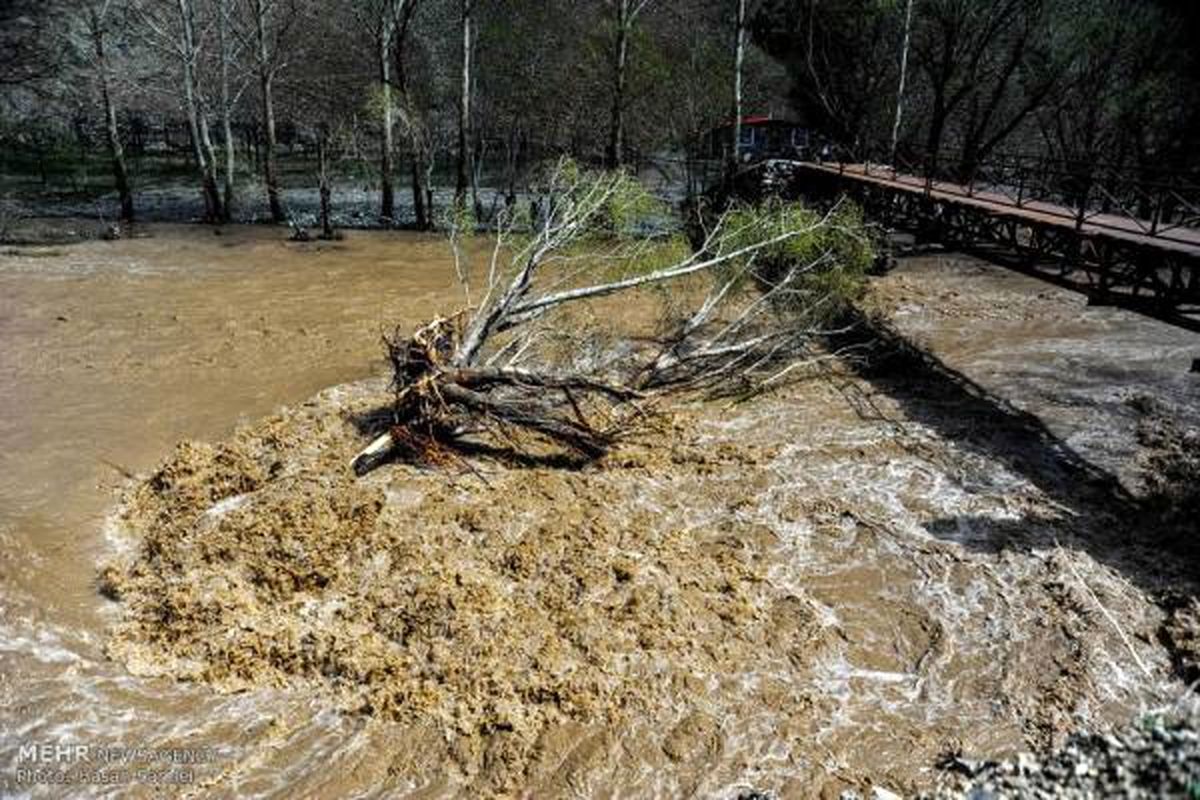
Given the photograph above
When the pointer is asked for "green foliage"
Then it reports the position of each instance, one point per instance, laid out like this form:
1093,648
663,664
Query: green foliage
459,219
647,256
613,204
630,210
375,100
819,271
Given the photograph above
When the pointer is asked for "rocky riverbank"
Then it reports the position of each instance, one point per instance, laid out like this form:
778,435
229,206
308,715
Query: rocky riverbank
1154,760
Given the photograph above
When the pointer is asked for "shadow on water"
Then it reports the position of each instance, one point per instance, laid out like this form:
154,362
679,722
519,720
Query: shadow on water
1101,517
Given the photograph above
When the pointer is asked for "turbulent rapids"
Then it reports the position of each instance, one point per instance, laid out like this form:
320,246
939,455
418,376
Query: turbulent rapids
827,587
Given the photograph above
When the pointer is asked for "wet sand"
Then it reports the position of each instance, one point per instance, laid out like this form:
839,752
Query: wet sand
915,558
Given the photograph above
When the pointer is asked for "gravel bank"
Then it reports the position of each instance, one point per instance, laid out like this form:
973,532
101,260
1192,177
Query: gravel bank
1156,759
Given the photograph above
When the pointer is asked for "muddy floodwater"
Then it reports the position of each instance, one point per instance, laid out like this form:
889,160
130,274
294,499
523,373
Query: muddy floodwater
827,588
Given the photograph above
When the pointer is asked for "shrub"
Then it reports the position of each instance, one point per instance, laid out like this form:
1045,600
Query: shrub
819,272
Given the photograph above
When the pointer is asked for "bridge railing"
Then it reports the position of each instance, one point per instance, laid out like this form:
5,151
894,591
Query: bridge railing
1083,192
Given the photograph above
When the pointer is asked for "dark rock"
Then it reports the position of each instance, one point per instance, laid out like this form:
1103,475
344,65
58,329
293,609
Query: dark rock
1158,758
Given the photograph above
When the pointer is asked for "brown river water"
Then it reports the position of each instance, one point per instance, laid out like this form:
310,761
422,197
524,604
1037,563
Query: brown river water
822,589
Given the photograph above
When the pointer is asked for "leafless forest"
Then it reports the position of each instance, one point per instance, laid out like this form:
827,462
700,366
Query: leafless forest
415,102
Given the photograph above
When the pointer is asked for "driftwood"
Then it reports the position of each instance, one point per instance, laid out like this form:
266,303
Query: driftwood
437,402
445,390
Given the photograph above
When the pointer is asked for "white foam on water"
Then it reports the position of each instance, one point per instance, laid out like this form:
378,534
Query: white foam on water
222,507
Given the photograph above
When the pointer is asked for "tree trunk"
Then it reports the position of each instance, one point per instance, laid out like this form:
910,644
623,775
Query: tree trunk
464,111
388,204
412,123
510,166
418,195
270,169
616,133
230,167
323,172
266,79
903,80
226,110
116,151
210,174
969,161
479,155
430,210
937,127
197,131
739,56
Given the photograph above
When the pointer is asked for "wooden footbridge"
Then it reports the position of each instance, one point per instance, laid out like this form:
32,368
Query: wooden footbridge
1132,243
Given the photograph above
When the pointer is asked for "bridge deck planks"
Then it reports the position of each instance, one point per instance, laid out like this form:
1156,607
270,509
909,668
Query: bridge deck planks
1177,239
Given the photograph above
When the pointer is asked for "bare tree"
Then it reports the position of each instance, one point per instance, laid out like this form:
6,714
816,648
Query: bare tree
323,186
625,14
1102,113
986,69
464,163
412,119
97,16
172,29
739,50
272,21
387,23
227,56
904,45
206,157
839,53
27,55
386,33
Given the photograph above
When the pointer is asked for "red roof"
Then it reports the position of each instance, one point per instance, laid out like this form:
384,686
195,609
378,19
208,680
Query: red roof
758,120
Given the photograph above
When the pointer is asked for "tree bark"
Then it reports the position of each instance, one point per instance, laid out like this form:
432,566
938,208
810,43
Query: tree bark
266,79
739,49
479,154
616,134
210,175
226,110
387,190
978,144
903,79
323,167
115,149
412,122
464,111
197,126
418,195
270,143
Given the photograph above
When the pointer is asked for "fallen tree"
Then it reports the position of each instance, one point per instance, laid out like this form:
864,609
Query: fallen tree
774,277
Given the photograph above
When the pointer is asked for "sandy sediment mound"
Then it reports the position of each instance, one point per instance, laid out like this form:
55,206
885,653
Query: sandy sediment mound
490,611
